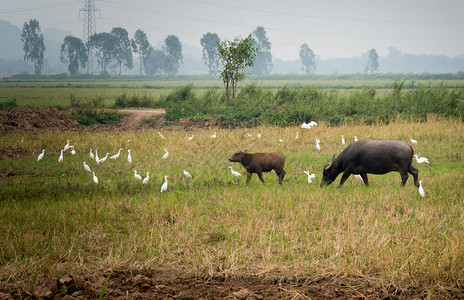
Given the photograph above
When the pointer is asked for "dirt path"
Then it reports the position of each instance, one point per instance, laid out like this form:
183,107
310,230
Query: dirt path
136,115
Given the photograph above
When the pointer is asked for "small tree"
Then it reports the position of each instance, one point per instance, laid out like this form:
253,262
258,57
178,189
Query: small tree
373,62
307,59
104,44
122,48
141,46
154,62
173,50
235,55
33,44
209,42
73,53
263,60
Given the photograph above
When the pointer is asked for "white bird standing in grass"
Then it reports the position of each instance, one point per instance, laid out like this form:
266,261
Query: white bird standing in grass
162,136
145,180
235,173
91,154
41,155
73,152
249,135
103,159
87,168
60,159
421,159
281,140
129,157
259,135
355,139
116,155
67,146
318,147
296,137
166,154
190,138
214,135
413,141
164,187
358,177
97,159
343,140
310,176
421,189
95,178
187,174
137,176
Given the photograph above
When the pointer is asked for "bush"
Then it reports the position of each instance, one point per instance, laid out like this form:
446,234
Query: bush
89,117
8,105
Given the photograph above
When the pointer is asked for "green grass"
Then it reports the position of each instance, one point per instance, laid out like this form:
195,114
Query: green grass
54,220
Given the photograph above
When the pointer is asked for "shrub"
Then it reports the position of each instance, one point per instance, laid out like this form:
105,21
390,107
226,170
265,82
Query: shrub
8,105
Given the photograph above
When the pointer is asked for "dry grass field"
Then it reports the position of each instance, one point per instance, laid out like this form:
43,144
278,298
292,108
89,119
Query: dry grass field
377,241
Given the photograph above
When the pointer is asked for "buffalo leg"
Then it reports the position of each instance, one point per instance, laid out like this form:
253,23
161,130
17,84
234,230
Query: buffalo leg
404,177
415,173
344,178
280,175
364,177
249,174
260,175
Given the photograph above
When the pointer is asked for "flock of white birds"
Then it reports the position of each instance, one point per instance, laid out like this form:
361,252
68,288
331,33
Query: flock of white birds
236,174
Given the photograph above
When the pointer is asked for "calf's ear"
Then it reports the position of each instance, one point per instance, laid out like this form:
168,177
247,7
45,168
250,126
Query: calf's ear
334,165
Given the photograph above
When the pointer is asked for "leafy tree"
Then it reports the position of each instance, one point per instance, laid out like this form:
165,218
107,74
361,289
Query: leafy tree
154,62
141,46
373,62
122,49
209,42
173,50
235,56
308,59
74,54
104,44
263,61
33,44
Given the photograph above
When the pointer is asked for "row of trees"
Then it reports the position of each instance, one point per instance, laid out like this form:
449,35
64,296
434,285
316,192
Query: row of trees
114,50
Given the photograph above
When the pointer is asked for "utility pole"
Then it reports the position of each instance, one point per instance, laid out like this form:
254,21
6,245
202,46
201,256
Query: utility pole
90,28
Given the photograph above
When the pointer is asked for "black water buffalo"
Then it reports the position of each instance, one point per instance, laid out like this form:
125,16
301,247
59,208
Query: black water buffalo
375,157
261,162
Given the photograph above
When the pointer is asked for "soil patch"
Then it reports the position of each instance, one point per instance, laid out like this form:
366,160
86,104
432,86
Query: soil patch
14,151
24,118
136,284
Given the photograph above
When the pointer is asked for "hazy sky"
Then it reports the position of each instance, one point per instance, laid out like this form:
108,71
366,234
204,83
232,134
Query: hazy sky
331,28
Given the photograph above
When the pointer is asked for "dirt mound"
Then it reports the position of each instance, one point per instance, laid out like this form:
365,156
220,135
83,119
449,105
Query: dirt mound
14,151
36,118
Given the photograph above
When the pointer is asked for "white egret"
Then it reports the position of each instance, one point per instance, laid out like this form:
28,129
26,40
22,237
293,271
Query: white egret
137,176
421,189
310,176
95,178
413,141
166,154
187,174
145,180
129,157
421,159
97,159
358,177
103,159
87,168
318,147
259,135
116,155
41,155
296,137
281,140
190,137
235,173
249,135
73,152
91,154
343,140
162,136
164,187
60,159
67,146
355,139
214,135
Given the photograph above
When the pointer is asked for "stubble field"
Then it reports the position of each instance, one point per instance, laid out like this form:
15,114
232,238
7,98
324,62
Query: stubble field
384,240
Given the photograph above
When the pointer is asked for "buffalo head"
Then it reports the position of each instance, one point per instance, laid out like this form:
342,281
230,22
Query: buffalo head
237,157
330,172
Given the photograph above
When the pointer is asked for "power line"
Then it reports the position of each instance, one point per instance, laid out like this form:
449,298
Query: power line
16,10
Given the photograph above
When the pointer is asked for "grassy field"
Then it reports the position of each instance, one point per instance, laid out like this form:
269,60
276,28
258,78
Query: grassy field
55,220
54,92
